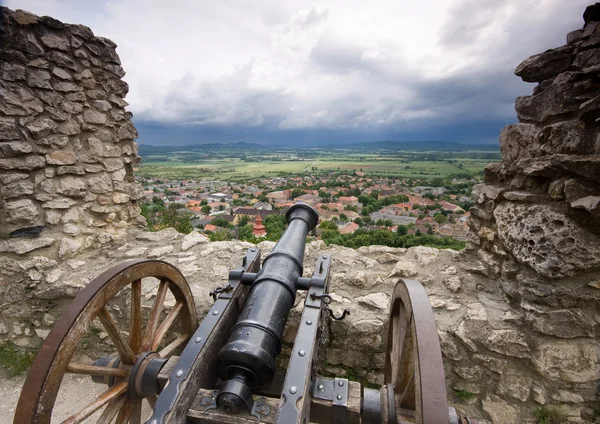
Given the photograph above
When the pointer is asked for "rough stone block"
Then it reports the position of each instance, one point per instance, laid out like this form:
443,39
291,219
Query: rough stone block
55,42
8,129
556,99
71,186
545,65
546,239
15,148
509,343
500,410
573,361
39,78
515,384
61,157
22,212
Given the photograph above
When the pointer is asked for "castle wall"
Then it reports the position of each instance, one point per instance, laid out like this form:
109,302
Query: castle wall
67,147
536,223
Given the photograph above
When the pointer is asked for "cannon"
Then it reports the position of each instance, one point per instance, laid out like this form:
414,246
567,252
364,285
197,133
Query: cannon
165,368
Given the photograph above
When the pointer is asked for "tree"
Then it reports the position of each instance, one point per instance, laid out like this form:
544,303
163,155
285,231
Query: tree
243,221
297,192
221,222
343,217
221,235
206,209
439,218
328,225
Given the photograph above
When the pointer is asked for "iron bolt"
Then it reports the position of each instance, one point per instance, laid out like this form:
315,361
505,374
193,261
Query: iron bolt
198,339
179,373
302,353
320,387
325,256
339,397
293,389
215,312
340,383
308,322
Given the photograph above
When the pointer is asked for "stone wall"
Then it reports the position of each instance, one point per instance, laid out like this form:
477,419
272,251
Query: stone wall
536,223
67,146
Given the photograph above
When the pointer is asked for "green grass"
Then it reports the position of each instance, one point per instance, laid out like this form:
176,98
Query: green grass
463,395
554,414
13,361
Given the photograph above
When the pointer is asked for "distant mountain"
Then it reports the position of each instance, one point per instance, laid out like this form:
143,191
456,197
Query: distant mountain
146,149
433,145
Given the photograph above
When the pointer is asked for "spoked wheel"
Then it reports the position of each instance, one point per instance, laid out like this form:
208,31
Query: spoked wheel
413,362
150,338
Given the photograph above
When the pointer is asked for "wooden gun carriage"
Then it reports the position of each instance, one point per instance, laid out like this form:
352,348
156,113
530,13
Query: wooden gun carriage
169,369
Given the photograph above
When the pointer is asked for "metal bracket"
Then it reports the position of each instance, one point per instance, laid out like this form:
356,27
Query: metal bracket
295,396
339,412
322,388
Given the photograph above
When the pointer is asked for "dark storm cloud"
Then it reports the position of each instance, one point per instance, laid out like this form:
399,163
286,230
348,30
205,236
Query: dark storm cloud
339,69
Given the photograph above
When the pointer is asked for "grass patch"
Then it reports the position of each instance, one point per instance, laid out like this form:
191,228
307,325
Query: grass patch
554,414
14,361
463,395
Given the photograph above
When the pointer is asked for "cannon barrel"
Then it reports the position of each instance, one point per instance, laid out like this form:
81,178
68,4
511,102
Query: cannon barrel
247,360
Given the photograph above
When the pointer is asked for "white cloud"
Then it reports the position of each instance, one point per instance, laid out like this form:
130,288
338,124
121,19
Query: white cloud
338,64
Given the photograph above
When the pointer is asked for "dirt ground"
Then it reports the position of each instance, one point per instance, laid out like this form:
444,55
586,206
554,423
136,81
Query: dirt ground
75,393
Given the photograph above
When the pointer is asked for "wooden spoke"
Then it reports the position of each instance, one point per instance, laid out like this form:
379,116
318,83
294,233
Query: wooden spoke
135,330
94,370
125,352
125,412
166,324
161,294
111,411
102,400
151,401
168,349
136,413
407,397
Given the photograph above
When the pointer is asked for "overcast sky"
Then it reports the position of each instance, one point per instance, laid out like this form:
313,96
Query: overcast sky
347,70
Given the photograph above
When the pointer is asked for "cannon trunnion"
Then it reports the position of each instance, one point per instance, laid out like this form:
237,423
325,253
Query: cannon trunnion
165,368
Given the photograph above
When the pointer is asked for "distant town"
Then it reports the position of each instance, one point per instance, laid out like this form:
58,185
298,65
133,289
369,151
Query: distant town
355,209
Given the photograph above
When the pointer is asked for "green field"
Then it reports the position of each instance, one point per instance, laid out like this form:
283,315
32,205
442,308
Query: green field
237,169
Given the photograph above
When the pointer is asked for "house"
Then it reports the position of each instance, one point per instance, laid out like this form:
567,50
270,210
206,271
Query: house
451,207
348,200
219,197
210,227
280,196
349,228
396,219
308,198
263,206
